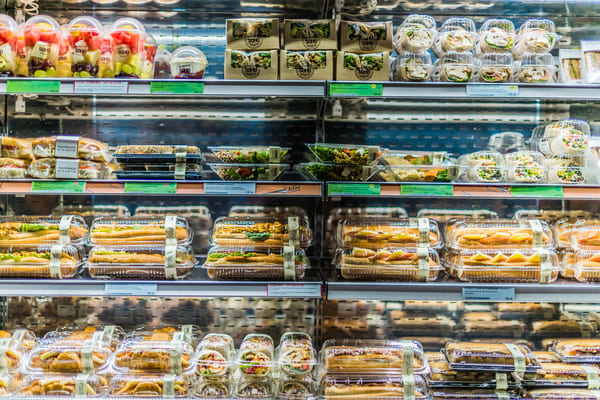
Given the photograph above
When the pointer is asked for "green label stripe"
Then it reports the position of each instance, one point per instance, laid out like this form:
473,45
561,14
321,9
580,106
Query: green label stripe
58,186
151,187
357,189
33,86
177,87
536,191
427,190
356,89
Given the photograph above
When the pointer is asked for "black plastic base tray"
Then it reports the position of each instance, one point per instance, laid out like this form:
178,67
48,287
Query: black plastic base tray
191,175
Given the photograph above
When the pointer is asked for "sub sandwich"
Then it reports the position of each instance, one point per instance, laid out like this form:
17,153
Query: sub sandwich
147,386
124,232
485,353
87,149
45,168
267,232
36,263
12,168
154,356
61,386
16,148
34,231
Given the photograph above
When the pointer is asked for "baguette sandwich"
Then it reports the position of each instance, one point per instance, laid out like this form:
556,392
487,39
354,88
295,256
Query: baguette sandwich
348,358
147,386
16,148
87,149
484,353
36,264
222,263
61,386
382,235
247,232
154,356
12,168
111,232
33,232
45,168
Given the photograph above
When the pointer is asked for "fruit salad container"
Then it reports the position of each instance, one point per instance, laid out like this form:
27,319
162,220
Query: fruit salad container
129,42
250,154
469,234
8,46
43,261
41,35
497,35
84,36
188,63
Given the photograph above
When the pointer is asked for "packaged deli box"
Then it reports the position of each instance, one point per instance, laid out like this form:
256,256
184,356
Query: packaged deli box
366,37
263,65
304,34
362,67
253,34
306,65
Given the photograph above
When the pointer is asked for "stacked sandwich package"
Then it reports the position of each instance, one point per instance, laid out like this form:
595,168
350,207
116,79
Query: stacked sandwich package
365,49
583,238
158,162
249,163
310,47
140,248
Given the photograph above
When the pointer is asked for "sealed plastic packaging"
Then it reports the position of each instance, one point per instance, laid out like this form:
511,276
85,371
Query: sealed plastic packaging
561,374
140,262
62,385
163,171
561,394
136,385
158,154
412,67
473,159
128,36
497,35
188,333
545,357
586,237
45,261
388,357
444,376
472,394
140,231
40,47
296,388
12,168
297,361
249,172
111,335
293,340
416,158
526,172
578,350
570,65
563,327
424,173
255,363
8,42
471,234
208,388
397,264
456,34
566,137
255,388
346,153
75,356
536,35
157,356
583,265
212,363
92,211
16,148
250,154
317,171
590,49
59,168
351,386
486,171
23,336
536,68
27,231
405,323
255,263
262,232
217,341
84,34
526,311
496,68
507,357
455,67
258,341
188,63
416,34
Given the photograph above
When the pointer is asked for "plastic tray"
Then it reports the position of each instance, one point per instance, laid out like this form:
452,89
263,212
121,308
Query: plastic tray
159,154
423,173
250,154
146,385
560,374
444,376
261,232
455,35
74,356
472,394
157,356
255,263
490,357
87,149
417,158
92,211
585,237
398,264
348,154
34,231
54,385
188,333
536,35
536,68
583,265
249,172
140,262
476,234
317,171
405,323
561,394
351,386
578,350
140,231
45,261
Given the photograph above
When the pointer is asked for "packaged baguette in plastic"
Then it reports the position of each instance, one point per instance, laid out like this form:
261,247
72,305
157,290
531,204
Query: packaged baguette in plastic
13,168
352,386
155,154
27,231
156,356
111,335
190,334
44,261
473,394
148,385
62,168
578,350
477,234
564,327
457,34
562,394
444,376
70,147
62,385
16,148
563,374
74,356
170,229
508,357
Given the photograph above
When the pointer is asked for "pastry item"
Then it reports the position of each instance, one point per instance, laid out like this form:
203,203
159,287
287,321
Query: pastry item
34,231
62,385
162,356
377,233
465,234
261,232
139,231
434,356
70,357
371,387
465,354
87,149
148,386
12,168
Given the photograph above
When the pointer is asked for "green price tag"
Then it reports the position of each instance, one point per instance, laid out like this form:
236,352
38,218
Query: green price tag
427,190
356,89
33,86
176,87
536,191
151,187
357,189
57,187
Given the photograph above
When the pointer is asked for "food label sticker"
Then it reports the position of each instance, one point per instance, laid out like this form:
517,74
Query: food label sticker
87,361
516,329
592,377
488,293
55,257
544,146
175,357
170,262
274,172
408,382
4,343
545,267
230,188
176,87
66,146
501,381
423,259
289,265
274,154
492,90
18,335
178,337
501,395
179,172
438,158
170,229
408,358
538,233
452,306
169,387
98,336
100,87
64,228
81,385
66,169
108,333
518,357
372,153
188,332
294,231
180,157
424,236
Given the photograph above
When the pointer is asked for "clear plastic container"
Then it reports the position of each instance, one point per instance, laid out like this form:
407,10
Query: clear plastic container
140,262
87,149
496,68
12,168
397,264
40,47
156,356
297,361
143,386
473,159
27,231
250,154
551,215
455,67
523,156
212,363
346,153
158,154
188,63
497,35
44,261
188,333
218,341
503,233
255,263
8,46
486,171
353,386
566,173
434,356
526,172
414,173
561,394
258,341
74,356
110,335
255,388
586,265
23,336
537,35
249,172
252,33
255,363
317,171
208,388
457,34
262,232
405,323
444,376
128,35
52,385
416,34
442,216
83,34
293,340
585,237
472,394
501,357
567,137
578,350
416,158
134,231
526,311
561,374
46,168
545,357
504,265
388,357
15,148
536,68
296,388
412,67
376,233
493,328
366,37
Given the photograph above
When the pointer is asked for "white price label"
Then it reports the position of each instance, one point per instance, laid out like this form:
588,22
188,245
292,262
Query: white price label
230,188
66,146
492,90
131,289
66,169
300,290
100,87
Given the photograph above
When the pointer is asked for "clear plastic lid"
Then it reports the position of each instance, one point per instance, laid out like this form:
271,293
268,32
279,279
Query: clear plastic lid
509,357
536,68
44,261
218,341
444,376
336,172
388,357
566,173
525,310
255,362
110,335
157,356
578,350
486,171
262,231
416,34
74,356
255,263
46,168
398,264
346,153
292,340
297,360
456,34
412,67
526,172
497,35
168,230
41,28
208,388
250,154
425,21
255,388
377,233
27,231
416,158
504,265
473,159
443,215
188,62
9,26
140,262
87,149
472,394
585,265
558,374
96,210
469,234
353,386
54,385
563,227
85,53
415,173
212,363
189,333
496,68
562,394
537,35
572,126
249,172
456,67
545,357
129,25
143,385
585,237
296,387
258,341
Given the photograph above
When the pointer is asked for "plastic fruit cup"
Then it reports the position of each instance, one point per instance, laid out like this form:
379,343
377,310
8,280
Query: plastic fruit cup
41,38
85,40
128,36
8,46
188,63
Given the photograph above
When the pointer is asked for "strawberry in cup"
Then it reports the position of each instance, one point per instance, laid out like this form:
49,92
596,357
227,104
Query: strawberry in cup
129,43
41,38
8,46
84,39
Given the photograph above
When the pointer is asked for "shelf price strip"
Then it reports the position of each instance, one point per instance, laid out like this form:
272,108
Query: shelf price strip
57,187
151,187
33,86
131,289
176,87
356,89
488,293
230,188
427,190
492,90
537,191
354,189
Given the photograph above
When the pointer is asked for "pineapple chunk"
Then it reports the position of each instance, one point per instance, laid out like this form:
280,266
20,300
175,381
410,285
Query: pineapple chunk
520,237
499,258
481,257
517,258
358,252
534,259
